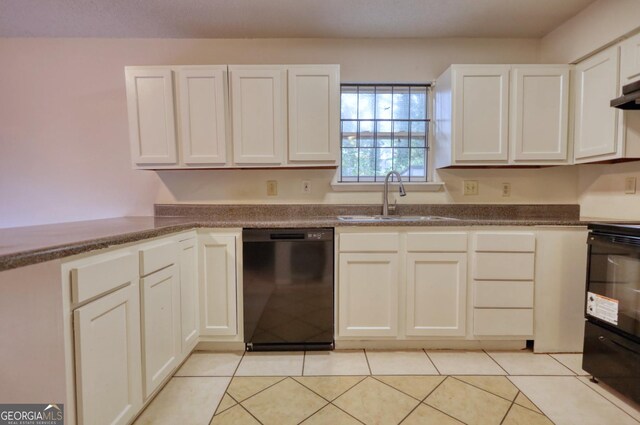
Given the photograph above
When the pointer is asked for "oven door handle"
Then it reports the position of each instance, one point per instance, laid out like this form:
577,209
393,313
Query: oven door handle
605,340
598,238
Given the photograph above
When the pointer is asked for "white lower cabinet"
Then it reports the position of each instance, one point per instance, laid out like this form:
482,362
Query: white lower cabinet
503,284
416,279
218,293
136,313
161,326
368,294
108,359
189,319
436,294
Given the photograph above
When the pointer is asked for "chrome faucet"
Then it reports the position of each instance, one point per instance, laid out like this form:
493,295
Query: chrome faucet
385,196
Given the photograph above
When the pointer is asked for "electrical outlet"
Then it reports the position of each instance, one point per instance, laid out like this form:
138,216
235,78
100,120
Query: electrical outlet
272,188
506,190
470,187
630,185
306,186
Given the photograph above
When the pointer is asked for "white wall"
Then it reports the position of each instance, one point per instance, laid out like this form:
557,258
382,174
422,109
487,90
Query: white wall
64,152
601,23
544,185
600,186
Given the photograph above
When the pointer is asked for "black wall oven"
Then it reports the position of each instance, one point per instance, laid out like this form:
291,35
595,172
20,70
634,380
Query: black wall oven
612,307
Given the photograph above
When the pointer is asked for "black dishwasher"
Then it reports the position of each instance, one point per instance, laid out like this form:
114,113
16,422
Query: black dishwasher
288,289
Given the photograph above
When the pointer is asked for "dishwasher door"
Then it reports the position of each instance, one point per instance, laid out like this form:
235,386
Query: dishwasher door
288,289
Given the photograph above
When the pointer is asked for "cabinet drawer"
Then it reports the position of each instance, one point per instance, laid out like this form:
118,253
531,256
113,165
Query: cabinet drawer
503,294
107,273
369,242
157,257
503,321
437,242
505,242
504,266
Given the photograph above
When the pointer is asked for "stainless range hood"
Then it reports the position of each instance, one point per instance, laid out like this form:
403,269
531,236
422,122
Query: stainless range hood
630,98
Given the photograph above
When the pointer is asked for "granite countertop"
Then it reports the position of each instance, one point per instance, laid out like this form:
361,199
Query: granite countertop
22,246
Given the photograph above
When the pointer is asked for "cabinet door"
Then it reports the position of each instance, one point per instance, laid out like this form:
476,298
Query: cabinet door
203,116
368,294
151,116
596,130
161,326
436,294
314,113
630,72
188,295
108,359
630,60
258,105
481,113
218,299
539,113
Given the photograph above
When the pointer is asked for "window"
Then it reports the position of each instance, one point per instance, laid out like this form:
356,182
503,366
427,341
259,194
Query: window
384,127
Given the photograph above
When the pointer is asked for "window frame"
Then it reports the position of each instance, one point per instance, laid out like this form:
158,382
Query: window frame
430,184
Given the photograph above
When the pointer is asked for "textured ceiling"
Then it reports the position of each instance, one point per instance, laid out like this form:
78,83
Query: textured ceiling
284,18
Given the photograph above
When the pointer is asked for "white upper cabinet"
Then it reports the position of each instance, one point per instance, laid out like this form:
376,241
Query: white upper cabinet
203,115
539,113
259,113
596,123
314,112
630,72
151,115
502,115
630,60
481,113
234,116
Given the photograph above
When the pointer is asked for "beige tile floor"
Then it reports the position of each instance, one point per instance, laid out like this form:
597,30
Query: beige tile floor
386,387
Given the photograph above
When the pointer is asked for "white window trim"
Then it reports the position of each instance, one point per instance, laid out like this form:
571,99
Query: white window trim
431,185
428,186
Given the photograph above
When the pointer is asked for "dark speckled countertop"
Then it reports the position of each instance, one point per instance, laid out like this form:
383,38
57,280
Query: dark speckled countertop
22,246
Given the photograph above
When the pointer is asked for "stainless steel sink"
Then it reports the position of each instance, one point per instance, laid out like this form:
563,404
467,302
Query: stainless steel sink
381,218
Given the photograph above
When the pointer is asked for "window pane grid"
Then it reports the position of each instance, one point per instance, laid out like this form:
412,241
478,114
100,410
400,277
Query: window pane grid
384,127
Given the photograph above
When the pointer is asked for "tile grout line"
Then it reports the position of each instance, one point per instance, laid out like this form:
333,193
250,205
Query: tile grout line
424,401
342,410
304,359
330,401
391,386
227,388
250,414
563,365
482,389
367,359
432,362
509,409
594,390
265,388
311,415
216,413
495,361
